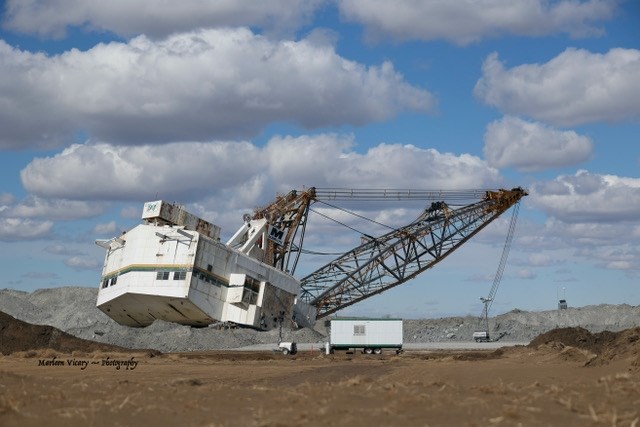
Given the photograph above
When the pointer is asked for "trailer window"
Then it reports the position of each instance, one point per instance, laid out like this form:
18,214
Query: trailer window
358,330
162,275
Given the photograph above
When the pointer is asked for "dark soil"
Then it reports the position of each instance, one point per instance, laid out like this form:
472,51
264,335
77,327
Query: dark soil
576,337
606,345
16,335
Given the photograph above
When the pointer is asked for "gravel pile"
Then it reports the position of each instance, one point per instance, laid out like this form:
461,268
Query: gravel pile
520,326
73,310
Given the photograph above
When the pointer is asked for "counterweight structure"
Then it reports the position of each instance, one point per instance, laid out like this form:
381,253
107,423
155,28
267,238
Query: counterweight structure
173,267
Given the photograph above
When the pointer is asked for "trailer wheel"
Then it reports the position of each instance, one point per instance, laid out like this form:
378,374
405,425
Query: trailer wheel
368,350
285,351
377,350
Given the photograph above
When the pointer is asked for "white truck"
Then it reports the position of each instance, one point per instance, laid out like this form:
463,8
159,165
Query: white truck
481,336
371,335
288,347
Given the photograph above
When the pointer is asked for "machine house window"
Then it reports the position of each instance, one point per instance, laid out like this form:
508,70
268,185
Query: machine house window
109,282
358,330
251,290
179,275
162,275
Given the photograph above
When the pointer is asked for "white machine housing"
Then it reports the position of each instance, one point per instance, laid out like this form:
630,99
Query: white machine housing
173,267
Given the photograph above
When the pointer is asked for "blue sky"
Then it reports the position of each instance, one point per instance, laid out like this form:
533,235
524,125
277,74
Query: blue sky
221,105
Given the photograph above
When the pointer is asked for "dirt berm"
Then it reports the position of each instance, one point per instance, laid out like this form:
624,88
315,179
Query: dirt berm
17,336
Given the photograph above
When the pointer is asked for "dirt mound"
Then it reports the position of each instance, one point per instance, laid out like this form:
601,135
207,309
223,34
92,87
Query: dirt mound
16,335
625,345
606,345
576,337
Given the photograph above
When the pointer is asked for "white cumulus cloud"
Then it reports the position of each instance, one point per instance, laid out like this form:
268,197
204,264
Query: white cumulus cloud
6,199
189,87
61,249
539,259
54,208
525,273
463,22
106,228
189,172
154,17
80,263
574,88
15,229
532,146
325,161
592,234
588,197
177,171
625,257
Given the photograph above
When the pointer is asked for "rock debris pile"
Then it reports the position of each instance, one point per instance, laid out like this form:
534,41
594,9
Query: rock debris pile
73,311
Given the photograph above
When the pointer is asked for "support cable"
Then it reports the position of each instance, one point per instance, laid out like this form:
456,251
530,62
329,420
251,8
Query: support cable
338,222
357,215
488,301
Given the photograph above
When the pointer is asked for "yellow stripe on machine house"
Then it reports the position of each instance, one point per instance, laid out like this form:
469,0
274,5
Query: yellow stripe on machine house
148,267
165,267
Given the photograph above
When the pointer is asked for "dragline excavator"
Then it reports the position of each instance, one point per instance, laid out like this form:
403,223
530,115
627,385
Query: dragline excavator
174,267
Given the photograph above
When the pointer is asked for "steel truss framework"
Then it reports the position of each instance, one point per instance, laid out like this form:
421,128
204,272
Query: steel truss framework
387,261
289,215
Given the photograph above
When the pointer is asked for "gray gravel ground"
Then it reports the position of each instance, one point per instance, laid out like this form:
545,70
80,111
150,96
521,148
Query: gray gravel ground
73,310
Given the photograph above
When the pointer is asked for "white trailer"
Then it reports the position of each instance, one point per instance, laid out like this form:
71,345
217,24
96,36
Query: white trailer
372,335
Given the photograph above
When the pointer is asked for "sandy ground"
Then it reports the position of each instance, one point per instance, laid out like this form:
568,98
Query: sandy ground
519,386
